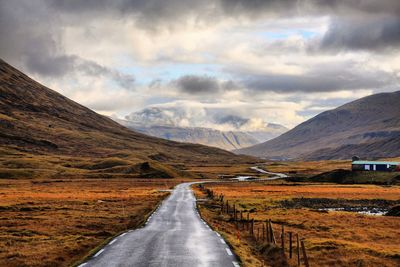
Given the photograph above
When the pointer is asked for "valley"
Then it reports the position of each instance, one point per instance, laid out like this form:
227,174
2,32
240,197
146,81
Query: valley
188,133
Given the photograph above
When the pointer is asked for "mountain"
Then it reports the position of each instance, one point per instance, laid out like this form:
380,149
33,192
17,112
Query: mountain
368,127
36,121
228,140
271,131
179,124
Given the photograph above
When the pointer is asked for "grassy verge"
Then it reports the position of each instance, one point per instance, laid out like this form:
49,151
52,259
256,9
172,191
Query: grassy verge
60,222
331,238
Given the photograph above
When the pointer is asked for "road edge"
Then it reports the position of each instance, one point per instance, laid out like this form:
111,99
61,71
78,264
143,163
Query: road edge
103,244
239,260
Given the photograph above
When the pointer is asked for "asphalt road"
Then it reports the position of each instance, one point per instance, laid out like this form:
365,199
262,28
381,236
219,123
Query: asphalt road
175,235
276,175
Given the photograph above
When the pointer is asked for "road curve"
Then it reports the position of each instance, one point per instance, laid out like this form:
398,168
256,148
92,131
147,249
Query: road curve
174,235
276,175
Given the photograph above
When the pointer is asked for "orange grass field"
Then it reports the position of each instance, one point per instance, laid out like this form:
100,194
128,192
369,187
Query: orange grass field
59,222
331,238
308,167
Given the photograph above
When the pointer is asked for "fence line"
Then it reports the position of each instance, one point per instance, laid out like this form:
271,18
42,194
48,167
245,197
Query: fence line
263,233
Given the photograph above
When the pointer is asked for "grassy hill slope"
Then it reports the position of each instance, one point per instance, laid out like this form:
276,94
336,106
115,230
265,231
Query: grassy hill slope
368,127
42,130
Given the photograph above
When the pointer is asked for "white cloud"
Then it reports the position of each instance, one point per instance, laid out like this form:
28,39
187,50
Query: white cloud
208,41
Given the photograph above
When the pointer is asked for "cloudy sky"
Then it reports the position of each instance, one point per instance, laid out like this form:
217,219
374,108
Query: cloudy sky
277,61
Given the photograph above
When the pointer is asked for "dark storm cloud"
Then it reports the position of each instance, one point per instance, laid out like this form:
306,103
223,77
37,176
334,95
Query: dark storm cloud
32,41
318,80
194,84
91,68
310,7
372,34
150,14
29,38
32,30
358,24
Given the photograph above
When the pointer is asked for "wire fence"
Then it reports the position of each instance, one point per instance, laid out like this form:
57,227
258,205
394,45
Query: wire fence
265,232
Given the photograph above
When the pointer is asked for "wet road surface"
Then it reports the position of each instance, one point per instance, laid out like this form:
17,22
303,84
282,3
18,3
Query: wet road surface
175,235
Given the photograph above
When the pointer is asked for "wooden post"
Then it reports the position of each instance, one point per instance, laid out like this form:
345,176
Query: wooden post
283,239
249,226
234,212
263,232
267,232
290,245
303,248
273,239
258,234
241,215
247,222
252,227
298,250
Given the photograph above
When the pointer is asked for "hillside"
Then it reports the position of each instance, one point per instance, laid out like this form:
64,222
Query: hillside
36,121
368,127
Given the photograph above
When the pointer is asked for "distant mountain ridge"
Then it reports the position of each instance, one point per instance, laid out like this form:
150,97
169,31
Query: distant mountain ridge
226,140
162,123
368,127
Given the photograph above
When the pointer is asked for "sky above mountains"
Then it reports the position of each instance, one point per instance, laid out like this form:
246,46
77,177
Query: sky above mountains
275,61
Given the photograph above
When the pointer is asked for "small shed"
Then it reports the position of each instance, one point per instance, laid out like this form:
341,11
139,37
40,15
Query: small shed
384,166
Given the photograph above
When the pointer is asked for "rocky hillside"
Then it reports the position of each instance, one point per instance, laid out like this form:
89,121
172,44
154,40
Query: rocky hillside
368,127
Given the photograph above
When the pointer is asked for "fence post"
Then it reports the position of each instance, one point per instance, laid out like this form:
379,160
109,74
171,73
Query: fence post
283,239
303,248
290,245
247,222
273,239
298,250
263,232
267,231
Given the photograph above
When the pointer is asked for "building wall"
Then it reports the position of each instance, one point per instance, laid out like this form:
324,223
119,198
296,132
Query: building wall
375,167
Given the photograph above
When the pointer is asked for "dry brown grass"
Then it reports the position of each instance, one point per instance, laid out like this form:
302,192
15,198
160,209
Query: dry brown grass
308,167
312,167
332,239
58,222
